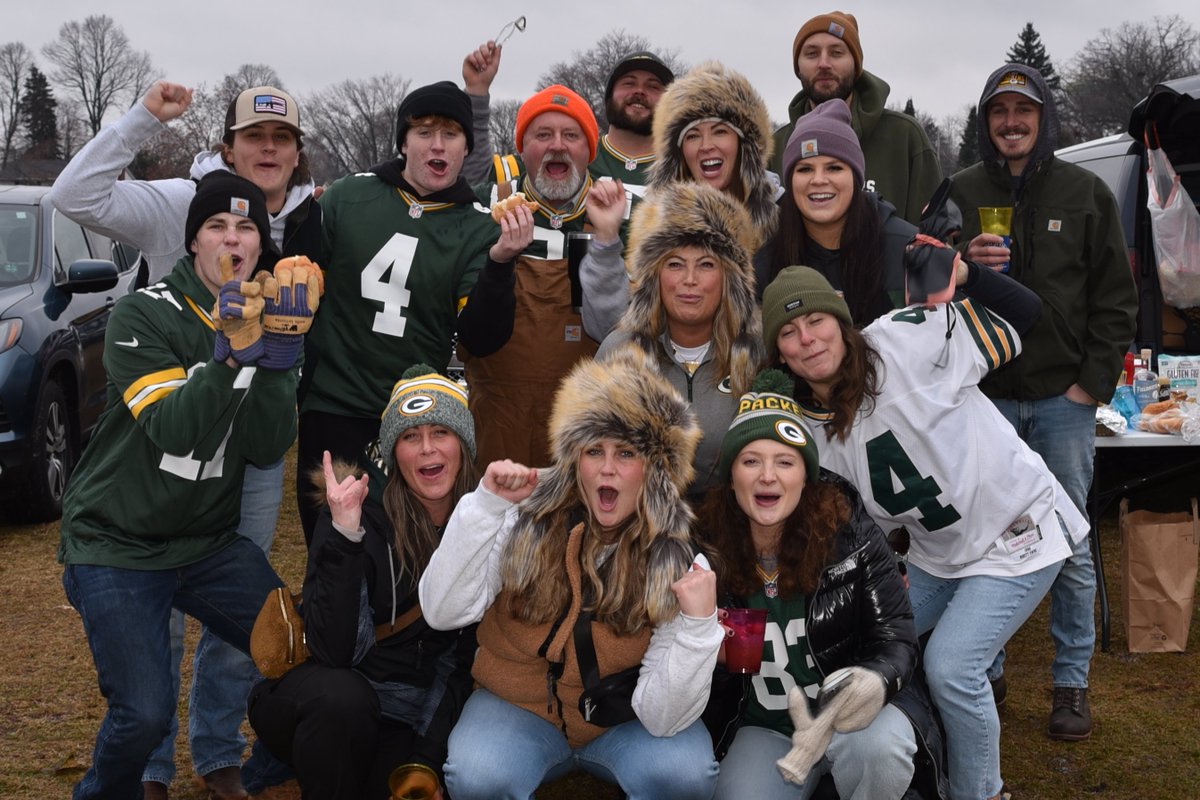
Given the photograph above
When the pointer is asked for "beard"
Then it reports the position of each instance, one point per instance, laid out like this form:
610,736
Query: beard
558,189
843,90
619,119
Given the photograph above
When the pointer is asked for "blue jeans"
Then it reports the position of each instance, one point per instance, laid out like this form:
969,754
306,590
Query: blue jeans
126,615
1063,432
875,763
971,619
499,751
221,674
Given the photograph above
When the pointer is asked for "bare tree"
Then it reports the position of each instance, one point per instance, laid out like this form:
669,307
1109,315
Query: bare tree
502,125
1112,72
94,62
15,60
354,121
72,130
587,72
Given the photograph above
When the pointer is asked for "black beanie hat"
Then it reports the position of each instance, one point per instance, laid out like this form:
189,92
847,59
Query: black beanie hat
443,99
642,59
222,191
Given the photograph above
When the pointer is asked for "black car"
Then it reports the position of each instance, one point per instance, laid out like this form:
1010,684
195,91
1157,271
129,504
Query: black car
58,285
1120,161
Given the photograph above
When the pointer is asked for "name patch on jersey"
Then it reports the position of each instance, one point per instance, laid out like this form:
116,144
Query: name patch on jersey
1054,225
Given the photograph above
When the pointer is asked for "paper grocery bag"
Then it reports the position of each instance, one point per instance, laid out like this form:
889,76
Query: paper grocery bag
1158,577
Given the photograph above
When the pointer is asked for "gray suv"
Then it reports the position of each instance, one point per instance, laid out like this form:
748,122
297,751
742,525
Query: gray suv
1120,161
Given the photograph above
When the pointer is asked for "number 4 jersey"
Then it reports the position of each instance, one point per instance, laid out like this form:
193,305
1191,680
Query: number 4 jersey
936,457
397,270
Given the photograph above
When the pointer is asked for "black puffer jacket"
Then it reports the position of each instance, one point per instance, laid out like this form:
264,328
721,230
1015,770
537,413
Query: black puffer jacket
859,615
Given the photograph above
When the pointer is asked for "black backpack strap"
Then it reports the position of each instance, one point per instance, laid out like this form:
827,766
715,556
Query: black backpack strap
554,671
585,651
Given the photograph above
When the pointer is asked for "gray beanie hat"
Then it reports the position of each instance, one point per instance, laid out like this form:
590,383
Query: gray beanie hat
796,291
825,131
423,397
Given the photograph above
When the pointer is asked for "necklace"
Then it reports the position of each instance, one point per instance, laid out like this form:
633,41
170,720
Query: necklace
770,581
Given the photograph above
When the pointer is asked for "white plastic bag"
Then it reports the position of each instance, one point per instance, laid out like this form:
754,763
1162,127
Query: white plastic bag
1176,225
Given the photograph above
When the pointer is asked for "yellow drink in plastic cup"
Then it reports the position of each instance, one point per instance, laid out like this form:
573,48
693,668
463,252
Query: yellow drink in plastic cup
997,220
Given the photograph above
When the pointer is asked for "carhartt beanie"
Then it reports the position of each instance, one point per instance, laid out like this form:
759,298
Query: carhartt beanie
443,99
794,292
836,23
220,191
558,98
772,415
424,397
825,131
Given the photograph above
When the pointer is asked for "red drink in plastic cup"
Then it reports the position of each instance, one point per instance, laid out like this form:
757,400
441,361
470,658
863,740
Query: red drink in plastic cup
744,650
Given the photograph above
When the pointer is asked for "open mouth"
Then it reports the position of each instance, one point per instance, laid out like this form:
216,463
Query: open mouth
557,169
766,500
711,167
432,471
607,498
821,197
438,166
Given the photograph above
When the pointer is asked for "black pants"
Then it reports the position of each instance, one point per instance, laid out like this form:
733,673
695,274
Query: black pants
324,722
344,437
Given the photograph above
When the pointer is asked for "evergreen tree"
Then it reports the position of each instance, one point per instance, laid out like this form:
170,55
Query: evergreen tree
909,108
968,147
38,115
1029,50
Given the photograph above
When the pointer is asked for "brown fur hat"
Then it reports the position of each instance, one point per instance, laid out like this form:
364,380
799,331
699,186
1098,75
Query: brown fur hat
624,398
711,90
696,214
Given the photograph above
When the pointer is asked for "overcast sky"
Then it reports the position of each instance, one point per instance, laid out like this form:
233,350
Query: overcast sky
938,53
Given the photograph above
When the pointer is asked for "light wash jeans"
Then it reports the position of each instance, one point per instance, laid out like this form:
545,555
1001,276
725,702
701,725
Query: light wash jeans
125,615
1063,432
971,619
221,674
875,763
498,751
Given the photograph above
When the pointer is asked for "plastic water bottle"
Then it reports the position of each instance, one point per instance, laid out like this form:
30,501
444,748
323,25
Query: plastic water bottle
1145,383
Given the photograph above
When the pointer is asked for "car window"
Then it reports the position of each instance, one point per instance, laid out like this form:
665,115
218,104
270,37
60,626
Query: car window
70,245
18,237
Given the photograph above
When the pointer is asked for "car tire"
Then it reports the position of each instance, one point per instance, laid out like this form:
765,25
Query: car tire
53,455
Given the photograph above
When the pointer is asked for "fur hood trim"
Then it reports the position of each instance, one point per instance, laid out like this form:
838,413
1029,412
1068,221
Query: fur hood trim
711,90
627,399
696,214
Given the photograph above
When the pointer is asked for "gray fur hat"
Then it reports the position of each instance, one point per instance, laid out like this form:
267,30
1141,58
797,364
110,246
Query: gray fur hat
687,213
712,91
423,397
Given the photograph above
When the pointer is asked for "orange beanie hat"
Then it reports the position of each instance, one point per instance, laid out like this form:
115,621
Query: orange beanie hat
558,98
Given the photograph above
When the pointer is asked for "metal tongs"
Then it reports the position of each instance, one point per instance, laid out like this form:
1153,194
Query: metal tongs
508,30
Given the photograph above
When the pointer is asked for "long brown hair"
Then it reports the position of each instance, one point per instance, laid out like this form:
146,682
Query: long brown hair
415,536
856,388
808,537
860,252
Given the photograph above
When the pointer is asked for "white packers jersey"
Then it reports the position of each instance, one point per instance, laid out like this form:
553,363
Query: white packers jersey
937,457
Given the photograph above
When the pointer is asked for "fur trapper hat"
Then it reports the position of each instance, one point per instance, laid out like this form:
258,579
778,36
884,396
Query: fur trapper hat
711,91
624,398
682,214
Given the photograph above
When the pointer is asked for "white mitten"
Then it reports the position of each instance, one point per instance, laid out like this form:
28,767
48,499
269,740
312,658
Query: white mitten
859,701
809,742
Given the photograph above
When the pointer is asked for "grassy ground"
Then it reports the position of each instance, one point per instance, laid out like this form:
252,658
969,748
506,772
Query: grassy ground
1147,707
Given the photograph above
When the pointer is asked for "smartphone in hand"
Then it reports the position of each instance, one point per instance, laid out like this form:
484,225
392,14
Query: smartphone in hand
833,685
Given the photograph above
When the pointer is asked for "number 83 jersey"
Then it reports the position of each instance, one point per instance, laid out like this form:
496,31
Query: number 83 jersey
937,457
397,271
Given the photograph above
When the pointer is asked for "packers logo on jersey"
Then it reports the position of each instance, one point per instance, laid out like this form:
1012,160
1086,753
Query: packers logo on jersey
417,404
790,432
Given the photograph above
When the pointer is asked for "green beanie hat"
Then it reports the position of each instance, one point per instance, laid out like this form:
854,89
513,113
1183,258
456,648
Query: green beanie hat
769,412
794,292
423,397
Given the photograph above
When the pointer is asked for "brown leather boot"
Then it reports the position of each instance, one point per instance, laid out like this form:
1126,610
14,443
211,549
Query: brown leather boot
1070,717
225,784
153,790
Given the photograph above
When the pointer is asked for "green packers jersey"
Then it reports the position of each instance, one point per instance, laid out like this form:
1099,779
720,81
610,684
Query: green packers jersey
160,483
786,663
632,171
397,270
